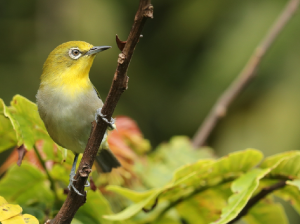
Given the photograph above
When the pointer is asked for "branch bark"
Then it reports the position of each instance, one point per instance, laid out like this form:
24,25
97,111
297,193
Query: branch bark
246,75
253,201
119,85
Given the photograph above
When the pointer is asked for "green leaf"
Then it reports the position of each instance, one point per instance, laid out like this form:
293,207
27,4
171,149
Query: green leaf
134,208
26,185
206,206
266,212
8,137
26,122
204,174
61,173
130,194
285,164
184,172
167,157
168,220
290,194
48,149
295,183
172,217
243,188
94,209
226,168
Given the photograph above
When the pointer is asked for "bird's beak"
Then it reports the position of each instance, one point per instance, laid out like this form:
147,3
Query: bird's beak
97,49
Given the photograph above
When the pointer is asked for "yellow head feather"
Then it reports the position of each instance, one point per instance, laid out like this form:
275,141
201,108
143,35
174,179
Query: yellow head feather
61,70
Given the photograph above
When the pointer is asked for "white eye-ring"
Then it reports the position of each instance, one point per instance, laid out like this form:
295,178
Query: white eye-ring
74,53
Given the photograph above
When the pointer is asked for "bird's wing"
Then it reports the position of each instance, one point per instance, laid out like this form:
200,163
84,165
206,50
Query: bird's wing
97,92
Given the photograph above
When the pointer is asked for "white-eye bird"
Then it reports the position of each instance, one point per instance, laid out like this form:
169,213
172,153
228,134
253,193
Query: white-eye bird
68,102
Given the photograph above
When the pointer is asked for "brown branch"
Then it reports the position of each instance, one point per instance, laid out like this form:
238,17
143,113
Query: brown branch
220,108
253,201
119,85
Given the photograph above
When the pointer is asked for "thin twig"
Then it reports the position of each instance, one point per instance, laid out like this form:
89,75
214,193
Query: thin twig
221,106
253,201
119,85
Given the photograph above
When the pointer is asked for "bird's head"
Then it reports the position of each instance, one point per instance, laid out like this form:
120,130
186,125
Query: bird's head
70,63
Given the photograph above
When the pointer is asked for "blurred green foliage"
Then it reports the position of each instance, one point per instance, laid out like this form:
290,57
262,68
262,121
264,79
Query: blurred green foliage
189,54
173,184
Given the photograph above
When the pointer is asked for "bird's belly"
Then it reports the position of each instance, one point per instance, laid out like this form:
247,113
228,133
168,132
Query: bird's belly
71,132
68,122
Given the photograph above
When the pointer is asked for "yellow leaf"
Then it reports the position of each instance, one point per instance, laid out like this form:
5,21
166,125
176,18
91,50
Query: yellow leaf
29,219
14,220
21,219
8,210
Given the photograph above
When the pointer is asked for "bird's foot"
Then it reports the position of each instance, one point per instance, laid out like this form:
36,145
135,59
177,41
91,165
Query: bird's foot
111,124
87,183
71,185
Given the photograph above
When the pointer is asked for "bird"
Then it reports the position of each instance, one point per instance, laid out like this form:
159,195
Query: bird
68,102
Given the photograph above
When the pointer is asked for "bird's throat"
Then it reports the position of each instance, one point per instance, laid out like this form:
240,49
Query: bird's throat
70,85
70,80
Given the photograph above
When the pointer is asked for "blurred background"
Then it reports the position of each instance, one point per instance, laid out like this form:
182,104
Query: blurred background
189,54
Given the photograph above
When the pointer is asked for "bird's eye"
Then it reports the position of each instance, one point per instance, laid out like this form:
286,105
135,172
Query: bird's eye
74,53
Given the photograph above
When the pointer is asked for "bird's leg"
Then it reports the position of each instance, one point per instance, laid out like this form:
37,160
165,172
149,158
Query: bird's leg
72,175
87,183
111,124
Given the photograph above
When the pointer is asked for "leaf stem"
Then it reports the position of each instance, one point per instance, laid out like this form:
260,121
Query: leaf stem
254,200
52,184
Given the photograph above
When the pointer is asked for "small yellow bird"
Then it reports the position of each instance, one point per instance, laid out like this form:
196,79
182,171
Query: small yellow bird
68,102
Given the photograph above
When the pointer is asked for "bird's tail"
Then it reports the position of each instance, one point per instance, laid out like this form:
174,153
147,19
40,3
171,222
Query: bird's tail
106,160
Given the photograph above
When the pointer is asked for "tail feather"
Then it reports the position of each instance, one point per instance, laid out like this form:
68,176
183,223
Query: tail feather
106,160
